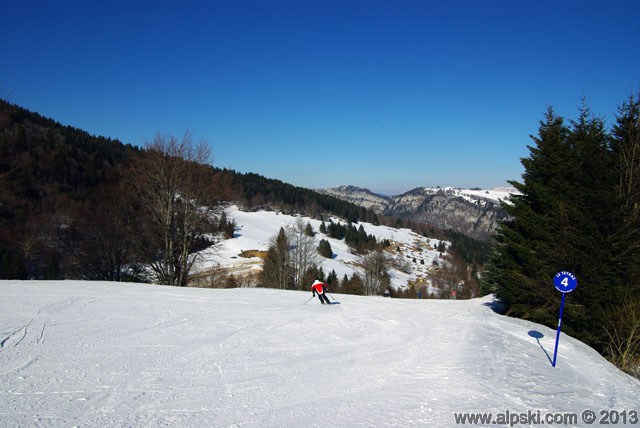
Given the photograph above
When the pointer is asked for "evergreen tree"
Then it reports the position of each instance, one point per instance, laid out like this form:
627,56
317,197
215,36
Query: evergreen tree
625,144
344,283
277,270
312,274
324,248
53,269
597,217
227,227
336,230
353,285
332,278
564,219
309,230
532,245
623,325
12,265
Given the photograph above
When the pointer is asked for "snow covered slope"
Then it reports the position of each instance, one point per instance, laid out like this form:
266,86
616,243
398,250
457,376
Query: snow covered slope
101,354
256,229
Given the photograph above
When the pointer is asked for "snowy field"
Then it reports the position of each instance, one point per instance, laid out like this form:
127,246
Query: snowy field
256,229
96,354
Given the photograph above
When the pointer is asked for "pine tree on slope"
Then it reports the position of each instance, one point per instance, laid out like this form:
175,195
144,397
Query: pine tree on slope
563,220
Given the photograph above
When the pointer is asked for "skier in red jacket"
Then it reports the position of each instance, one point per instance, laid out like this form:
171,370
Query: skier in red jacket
321,289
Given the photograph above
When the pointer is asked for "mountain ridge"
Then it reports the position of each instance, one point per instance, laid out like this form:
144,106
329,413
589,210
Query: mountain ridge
473,212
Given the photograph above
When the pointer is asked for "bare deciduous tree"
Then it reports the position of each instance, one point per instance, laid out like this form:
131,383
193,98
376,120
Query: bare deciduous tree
453,279
173,184
375,267
103,237
626,144
623,330
304,251
623,327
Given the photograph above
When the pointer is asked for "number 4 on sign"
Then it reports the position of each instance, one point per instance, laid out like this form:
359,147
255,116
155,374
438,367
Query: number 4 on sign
565,282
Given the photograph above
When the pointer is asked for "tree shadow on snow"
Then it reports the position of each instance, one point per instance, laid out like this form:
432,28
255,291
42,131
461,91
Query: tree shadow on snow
537,336
496,306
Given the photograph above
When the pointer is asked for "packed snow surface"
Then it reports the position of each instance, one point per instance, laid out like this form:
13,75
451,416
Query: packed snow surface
98,354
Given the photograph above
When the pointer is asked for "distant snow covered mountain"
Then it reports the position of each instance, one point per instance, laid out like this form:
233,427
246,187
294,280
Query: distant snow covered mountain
472,212
359,196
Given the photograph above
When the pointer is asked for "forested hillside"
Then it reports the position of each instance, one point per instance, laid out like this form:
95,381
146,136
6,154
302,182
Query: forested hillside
47,170
71,203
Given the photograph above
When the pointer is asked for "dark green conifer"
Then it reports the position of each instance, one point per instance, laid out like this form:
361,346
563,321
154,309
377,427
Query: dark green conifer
532,244
324,248
565,219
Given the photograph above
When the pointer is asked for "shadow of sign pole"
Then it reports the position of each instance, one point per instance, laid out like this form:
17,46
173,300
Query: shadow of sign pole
537,336
565,282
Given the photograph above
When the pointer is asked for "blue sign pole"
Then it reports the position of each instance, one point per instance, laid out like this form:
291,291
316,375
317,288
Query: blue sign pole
555,351
565,282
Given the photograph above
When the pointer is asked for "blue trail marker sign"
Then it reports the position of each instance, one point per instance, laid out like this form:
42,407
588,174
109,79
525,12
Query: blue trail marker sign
565,282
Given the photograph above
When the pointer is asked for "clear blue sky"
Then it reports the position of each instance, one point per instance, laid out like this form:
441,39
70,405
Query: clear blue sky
388,95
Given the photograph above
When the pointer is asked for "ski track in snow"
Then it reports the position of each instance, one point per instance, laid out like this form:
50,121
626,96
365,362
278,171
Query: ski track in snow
103,354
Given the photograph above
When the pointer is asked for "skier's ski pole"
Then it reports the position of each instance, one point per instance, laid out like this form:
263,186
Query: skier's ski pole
308,300
332,298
